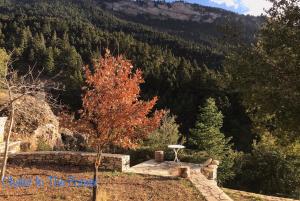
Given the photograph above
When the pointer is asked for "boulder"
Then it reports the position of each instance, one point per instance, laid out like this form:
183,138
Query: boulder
215,162
73,141
35,123
212,166
81,141
207,162
65,132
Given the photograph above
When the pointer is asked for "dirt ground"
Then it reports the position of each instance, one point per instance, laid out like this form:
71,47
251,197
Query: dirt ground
37,183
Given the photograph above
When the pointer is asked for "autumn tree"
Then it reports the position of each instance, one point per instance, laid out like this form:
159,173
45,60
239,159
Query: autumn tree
112,105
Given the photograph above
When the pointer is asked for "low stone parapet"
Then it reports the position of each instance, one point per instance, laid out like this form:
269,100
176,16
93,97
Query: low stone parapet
209,169
13,147
116,162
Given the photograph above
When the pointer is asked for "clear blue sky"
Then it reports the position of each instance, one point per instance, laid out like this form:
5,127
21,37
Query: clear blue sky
252,7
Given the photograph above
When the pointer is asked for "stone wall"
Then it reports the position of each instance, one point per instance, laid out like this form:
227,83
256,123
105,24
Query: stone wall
209,169
13,147
116,162
2,126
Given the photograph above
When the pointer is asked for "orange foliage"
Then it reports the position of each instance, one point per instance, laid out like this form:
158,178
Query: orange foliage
111,103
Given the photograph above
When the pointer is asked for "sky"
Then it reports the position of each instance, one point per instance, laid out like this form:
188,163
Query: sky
251,7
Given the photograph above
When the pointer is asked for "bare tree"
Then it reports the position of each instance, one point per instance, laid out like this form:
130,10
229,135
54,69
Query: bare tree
17,87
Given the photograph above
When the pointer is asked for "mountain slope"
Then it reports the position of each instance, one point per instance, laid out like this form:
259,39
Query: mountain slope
190,21
63,36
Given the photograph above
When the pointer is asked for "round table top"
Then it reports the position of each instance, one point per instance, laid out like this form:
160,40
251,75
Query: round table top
176,146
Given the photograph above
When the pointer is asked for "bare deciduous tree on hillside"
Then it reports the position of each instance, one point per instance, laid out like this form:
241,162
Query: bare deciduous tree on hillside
17,87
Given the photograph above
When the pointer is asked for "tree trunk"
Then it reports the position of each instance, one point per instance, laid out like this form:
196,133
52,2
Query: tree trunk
96,168
95,187
11,122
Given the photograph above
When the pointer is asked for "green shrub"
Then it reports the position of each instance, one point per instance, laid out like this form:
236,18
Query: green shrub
165,135
193,156
42,145
159,139
270,169
140,155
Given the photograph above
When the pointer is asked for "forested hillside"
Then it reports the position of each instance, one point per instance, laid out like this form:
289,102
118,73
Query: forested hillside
231,82
61,37
194,22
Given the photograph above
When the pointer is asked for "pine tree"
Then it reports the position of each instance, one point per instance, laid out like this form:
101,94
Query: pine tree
267,74
23,40
206,136
53,41
49,61
70,63
4,58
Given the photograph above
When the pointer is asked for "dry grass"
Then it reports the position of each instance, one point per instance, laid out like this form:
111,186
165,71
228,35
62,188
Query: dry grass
114,186
102,195
248,196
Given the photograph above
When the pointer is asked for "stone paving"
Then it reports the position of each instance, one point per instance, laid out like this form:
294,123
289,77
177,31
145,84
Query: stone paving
165,169
208,188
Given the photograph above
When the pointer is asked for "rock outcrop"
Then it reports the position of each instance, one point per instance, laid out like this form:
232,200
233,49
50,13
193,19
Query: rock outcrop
35,124
175,10
73,141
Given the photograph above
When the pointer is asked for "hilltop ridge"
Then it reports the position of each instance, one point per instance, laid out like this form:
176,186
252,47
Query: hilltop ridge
190,21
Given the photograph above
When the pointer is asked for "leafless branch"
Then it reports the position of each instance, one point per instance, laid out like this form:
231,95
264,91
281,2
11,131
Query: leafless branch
18,86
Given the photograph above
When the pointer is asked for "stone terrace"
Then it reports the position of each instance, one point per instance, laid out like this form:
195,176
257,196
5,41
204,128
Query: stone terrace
208,188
